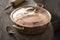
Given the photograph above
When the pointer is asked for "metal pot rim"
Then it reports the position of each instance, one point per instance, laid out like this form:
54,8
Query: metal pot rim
11,16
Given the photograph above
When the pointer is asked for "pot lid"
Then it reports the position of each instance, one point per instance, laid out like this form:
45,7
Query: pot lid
30,16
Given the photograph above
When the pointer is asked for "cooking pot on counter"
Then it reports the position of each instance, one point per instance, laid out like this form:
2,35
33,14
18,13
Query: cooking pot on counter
30,19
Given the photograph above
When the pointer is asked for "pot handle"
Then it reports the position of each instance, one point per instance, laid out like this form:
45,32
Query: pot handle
15,26
39,5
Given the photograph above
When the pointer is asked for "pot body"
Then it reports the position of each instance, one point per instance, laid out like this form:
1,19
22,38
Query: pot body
36,28
32,30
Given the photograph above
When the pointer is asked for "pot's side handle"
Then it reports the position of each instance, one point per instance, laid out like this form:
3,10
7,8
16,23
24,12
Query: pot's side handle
15,26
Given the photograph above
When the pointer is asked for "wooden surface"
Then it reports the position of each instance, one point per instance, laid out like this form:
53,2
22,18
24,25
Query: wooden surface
6,21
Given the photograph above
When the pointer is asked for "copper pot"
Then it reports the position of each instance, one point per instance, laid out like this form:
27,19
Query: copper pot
30,19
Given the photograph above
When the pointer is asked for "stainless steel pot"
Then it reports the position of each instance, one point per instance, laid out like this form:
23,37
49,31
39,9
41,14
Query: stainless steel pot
30,19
